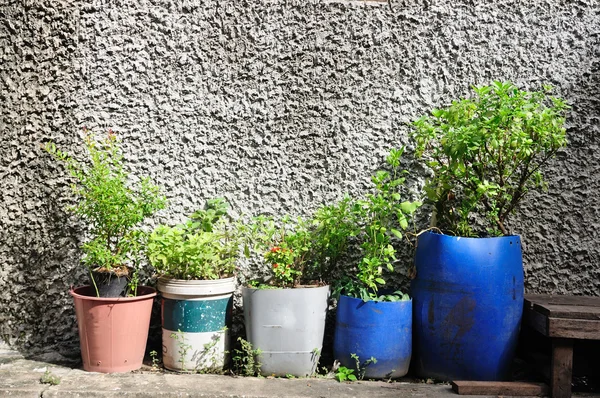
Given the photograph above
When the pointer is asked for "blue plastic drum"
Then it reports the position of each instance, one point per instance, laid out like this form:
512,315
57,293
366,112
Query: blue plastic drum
467,304
382,330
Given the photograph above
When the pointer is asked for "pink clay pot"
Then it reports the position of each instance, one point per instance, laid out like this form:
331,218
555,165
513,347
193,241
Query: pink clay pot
113,331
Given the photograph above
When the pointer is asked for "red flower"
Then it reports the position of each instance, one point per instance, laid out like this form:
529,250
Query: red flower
275,249
275,265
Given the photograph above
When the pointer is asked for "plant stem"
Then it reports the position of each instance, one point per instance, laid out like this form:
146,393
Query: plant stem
94,283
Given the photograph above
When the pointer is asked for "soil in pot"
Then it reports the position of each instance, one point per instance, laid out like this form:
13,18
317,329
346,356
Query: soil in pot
111,283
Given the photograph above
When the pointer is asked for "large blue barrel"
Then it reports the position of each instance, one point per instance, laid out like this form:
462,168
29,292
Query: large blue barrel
467,306
382,330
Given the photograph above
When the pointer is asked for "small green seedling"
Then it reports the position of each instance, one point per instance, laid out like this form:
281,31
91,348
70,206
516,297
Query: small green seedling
246,359
155,360
50,378
345,374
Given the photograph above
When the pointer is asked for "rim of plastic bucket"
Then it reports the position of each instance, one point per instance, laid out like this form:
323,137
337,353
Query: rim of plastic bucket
458,238
88,293
184,287
360,301
274,289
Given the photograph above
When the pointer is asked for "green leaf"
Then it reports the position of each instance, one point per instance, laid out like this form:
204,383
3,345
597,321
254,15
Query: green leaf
403,223
396,233
409,207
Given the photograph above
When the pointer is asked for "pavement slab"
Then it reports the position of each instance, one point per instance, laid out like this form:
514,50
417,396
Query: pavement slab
20,377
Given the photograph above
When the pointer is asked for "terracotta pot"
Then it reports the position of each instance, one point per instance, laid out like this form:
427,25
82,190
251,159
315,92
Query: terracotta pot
113,331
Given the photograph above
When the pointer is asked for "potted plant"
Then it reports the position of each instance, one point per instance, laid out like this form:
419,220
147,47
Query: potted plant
374,326
113,313
486,152
285,311
196,262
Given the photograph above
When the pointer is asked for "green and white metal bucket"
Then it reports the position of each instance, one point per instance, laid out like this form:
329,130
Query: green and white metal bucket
196,317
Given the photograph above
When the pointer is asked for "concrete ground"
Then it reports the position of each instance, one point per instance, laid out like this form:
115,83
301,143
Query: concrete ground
21,377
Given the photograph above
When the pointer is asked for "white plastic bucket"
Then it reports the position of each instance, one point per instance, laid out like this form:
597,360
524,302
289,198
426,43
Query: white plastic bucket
196,317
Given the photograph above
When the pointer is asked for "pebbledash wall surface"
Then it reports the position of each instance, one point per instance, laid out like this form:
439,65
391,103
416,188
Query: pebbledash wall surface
277,105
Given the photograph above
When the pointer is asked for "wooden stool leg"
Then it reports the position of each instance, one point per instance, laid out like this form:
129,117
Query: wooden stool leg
562,367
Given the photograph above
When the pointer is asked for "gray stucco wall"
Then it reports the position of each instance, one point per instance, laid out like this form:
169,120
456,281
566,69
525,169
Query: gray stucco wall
277,105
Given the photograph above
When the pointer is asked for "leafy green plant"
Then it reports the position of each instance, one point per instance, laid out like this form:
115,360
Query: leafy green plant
393,297
381,216
310,250
111,204
49,378
205,247
304,251
487,152
281,260
155,360
183,348
348,374
284,246
345,374
245,359
361,367
210,359
288,256
332,226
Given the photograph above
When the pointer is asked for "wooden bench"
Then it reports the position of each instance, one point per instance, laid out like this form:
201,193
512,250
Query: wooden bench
563,319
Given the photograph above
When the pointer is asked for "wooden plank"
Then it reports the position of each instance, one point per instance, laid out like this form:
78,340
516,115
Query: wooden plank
568,311
584,301
511,388
573,328
536,320
562,368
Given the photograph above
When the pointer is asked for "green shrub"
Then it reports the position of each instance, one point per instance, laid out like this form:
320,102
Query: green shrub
487,152
112,206
205,247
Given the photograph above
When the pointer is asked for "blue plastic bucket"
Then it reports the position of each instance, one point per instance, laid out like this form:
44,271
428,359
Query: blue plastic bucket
468,303
382,330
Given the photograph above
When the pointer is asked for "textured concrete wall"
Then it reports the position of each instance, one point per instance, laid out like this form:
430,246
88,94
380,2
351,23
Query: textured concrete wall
277,105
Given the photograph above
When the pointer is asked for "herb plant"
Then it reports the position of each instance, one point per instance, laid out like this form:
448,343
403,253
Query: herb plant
205,247
361,368
50,378
332,228
285,246
487,152
246,359
304,251
381,216
309,251
110,204
345,374
348,374
282,260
